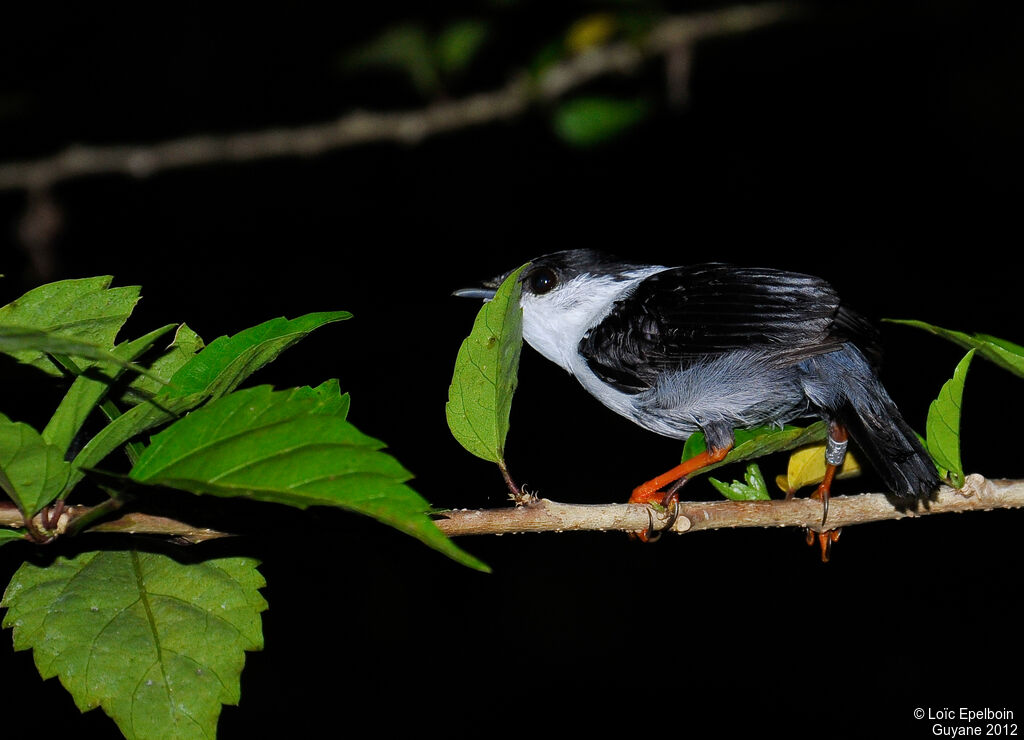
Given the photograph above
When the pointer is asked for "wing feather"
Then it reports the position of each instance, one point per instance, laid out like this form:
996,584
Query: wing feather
685,315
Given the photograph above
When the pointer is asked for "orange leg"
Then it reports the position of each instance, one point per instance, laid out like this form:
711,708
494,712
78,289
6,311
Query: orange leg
835,452
651,490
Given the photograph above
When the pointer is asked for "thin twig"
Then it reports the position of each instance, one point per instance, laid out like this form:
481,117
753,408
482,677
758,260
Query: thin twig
978,494
407,127
130,523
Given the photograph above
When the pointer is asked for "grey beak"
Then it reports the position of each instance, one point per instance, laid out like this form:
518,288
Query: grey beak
485,290
484,293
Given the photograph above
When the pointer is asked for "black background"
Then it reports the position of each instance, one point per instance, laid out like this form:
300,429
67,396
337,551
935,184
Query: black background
874,145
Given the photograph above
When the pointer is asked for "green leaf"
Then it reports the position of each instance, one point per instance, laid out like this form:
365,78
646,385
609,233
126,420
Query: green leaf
86,310
1006,344
942,428
485,376
11,535
88,388
29,344
123,429
1005,354
158,644
406,48
32,472
458,43
758,442
215,371
588,121
328,397
220,367
752,488
185,345
293,448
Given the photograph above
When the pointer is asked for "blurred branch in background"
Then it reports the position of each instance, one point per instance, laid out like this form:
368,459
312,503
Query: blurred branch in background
583,122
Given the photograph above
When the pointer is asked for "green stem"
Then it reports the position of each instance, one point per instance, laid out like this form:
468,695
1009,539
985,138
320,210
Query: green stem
115,502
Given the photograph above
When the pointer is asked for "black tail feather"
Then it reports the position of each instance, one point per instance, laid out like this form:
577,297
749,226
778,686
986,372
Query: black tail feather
889,443
847,390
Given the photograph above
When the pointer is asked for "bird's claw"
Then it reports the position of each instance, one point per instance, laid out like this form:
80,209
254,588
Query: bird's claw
651,534
823,493
825,538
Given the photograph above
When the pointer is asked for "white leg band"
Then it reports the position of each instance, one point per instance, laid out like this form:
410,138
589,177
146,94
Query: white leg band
835,452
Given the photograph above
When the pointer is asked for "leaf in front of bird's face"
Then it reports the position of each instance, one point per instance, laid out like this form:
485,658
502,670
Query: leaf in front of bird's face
1004,353
943,426
480,394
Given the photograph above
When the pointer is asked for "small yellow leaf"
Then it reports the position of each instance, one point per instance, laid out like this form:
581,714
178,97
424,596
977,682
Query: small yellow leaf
592,30
807,468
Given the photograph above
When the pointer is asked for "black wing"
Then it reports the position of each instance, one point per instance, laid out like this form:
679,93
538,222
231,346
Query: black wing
686,314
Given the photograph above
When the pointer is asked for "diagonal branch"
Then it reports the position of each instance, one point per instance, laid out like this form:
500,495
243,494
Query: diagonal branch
406,127
978,494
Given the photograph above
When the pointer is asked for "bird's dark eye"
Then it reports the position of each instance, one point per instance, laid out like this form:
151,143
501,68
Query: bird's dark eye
542,280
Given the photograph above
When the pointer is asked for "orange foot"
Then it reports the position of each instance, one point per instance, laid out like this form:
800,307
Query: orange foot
825,540
651,491
825,537
650,534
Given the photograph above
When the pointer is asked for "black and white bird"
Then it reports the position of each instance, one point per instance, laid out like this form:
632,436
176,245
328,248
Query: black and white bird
715,348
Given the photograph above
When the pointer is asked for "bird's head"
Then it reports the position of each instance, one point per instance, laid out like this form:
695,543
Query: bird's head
564,294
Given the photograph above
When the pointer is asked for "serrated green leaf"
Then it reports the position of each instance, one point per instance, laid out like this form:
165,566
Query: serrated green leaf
1004,353
159,645
327,396
183,347
215,371
32,472
86,313
227,361
485,376
289,449
88,388
29,344
588,121
942,429
758,442
751,488
11,535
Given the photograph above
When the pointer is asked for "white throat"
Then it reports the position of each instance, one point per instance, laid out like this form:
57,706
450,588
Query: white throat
554,323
